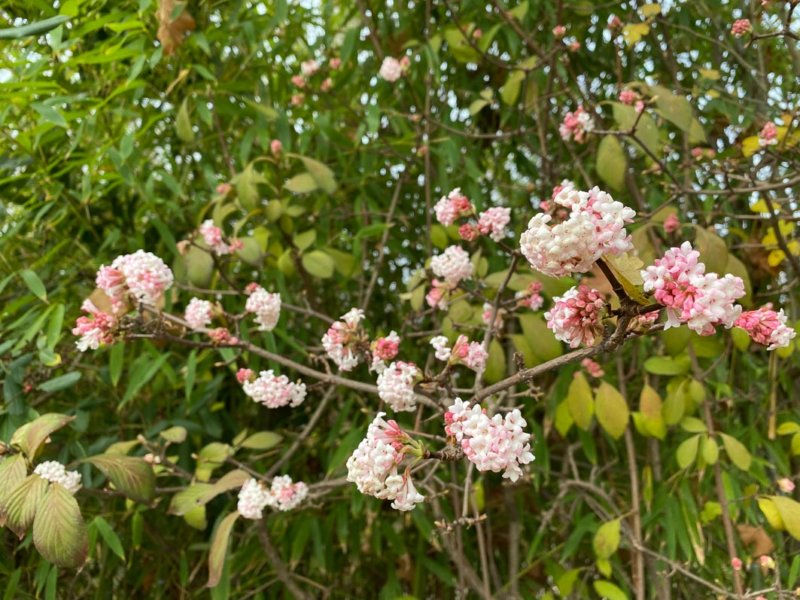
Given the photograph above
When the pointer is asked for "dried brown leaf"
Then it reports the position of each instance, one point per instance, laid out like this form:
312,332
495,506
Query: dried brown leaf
171,32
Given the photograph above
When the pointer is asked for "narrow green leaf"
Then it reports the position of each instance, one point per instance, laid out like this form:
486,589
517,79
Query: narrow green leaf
109,536
263,440
183,123
34,284
219,548
61,382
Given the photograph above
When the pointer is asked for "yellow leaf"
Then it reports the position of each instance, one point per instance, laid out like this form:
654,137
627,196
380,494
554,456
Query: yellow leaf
611,410
633,32
650,406
711,74
760,206
580,401
771,513
776,257
606,540
750,146
650,10
789,511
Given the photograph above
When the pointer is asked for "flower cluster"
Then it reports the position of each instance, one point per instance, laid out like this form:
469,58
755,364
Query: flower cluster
470,354
741,27
384,349
453,265
343,339
531,296
222,336
265,305
94,330
198,313
491,444
701,300
212,236
767,327
396,386
308,69
142,276
273,391
253,497
285,495
577,317
392,69
576,125
493,222
594,369
768,136
54,472
672,224
373,465
486,316
595,226
453,206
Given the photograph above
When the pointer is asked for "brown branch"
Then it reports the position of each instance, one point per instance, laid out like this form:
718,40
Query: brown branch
281,570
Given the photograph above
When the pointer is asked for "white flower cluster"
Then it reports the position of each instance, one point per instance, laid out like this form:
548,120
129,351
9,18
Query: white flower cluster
265,306
595,226
198,313
373,465
142,274
441,347
396,386
340,338
453,265
491,444
54,472
283,495
274,391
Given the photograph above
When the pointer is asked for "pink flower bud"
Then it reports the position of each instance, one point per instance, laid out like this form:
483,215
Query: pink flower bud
559,31
276,147
736,563
224,189
468,232
741,27
243,375
335,63
672,224
299,81
326,85
786,485
477,34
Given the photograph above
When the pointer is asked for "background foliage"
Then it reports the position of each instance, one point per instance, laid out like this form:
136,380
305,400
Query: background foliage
120,119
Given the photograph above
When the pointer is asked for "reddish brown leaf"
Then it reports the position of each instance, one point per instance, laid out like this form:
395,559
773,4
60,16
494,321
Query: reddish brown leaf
171,32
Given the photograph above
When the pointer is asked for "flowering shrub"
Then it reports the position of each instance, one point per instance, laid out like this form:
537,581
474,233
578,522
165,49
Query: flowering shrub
206,205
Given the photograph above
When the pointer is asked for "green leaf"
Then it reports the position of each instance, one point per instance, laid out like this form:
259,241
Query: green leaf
710,451
130,475
673,108
580,401
510,90
59,532
22,503
318,264
183,123
305,239
263,440
61,382
687,451
32,29
539,337
199,266
606,540
609,591
496,363
230,481
187,499
646,130
115,361
34,284
176,434
321,174
246,184
611,410
12,472
737,452
30,436
651,407
611,163
667,365
109,536
140,376
301,184
693,425
219,548
789,511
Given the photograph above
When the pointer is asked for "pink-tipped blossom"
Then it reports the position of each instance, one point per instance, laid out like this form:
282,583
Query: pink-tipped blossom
767,327
595,226
785,485
672,223
198,313
491,444
326,85
343,340
639,106
309,67
222,337
559,31
470,354
488,311
493,222
391,69
96,329
628,96
453,265
298,81
577,317
768,136
245,374
453,206
297,99
766,562
284,495
276,147
223,189
141,276
576,124
275,391
437,296
212,236
593,368
531,296
468,232
253,498
741,27
396,386
266,307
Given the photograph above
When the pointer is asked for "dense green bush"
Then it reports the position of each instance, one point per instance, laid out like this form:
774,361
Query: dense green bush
127,125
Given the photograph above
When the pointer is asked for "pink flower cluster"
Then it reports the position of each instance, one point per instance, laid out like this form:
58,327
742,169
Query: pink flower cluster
577,317
212,236
283,495
343,338
453,206
470,354
373,465
95,330
384,349
222,336
531,297
396,386
392,69
595,226
266,306
576,125
491,444
142,276
768,136
273,391
767,327
692,296
198,313
54,472
594,369
741,27
493,222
